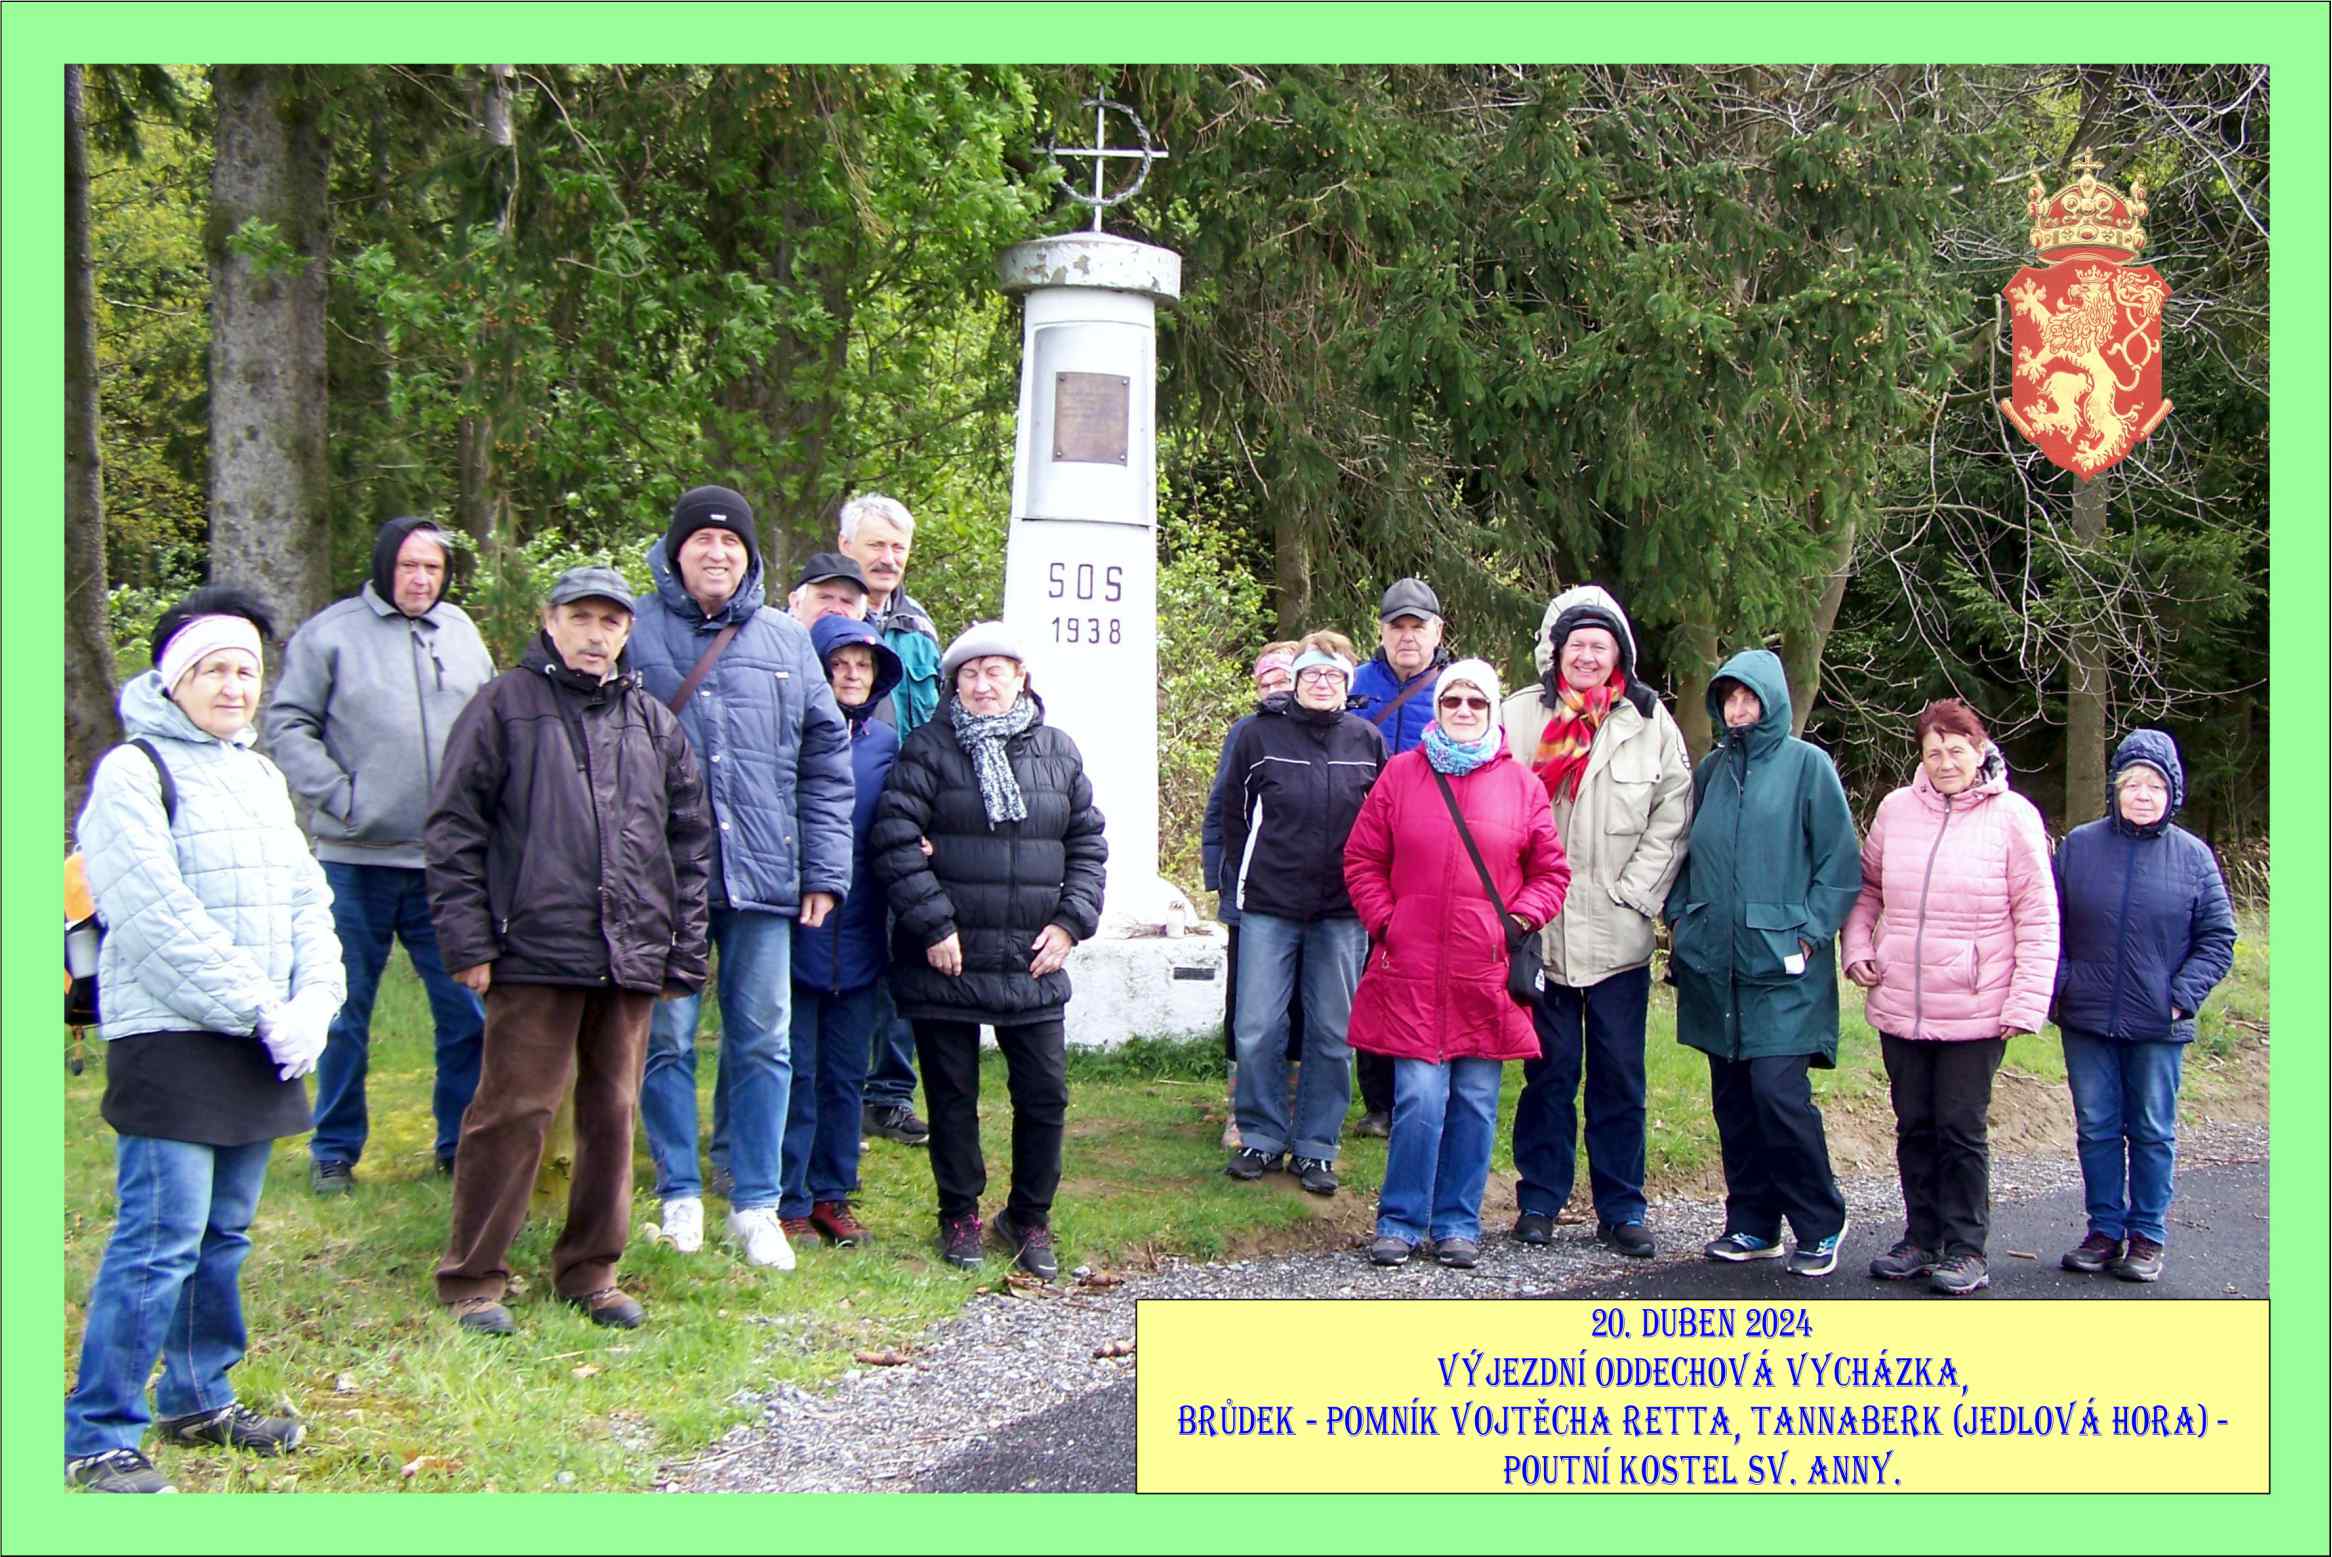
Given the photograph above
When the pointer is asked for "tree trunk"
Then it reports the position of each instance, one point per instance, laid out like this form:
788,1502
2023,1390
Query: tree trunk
90,689
478,498
1692,664
2085,683
1801,646
1291,560
270,523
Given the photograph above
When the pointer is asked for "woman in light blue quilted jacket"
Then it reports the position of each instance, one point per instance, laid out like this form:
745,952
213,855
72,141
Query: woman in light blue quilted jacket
218,977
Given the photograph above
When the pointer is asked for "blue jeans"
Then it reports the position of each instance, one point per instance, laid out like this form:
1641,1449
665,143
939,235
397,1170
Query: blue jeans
167,1287
830,1038
2125,1100
1444,1119
753,970
1602,1025
890,1082
373,906
1271,949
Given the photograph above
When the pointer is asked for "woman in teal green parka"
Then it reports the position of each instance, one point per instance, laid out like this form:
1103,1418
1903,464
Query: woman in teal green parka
1773,871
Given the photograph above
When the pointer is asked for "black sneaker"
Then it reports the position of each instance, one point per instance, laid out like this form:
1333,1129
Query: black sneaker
1314,1174
116,1470
235,1427
1032,1247
1533,1229
1905,1261
483,1316
2140,1261
1458,1253
1389,1250
1960,1275
959,1241
1629,1238
331,1178
894,1122
1250,1163
1378,1125
2093,1254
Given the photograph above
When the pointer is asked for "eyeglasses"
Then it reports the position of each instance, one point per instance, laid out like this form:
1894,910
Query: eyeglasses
1316,674
1476,704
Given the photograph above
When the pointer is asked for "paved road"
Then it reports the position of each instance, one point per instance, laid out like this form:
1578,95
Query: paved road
2218,1249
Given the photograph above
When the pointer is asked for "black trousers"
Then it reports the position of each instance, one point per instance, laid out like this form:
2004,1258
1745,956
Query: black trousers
1295,1003
1375,1072
1599,1029
1036,1061
1943,1106
1777,1162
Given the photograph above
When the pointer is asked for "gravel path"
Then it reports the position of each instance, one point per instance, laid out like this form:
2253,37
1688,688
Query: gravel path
1006,1358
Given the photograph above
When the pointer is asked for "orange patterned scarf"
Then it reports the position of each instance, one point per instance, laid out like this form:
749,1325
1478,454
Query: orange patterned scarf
1561,762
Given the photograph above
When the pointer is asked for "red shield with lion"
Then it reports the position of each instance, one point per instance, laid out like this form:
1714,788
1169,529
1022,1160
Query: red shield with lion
2087,386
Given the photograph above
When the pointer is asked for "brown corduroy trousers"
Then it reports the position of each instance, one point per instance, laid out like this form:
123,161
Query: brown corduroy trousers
539,1038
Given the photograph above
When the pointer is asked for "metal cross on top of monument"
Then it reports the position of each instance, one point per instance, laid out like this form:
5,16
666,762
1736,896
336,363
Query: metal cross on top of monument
1081,578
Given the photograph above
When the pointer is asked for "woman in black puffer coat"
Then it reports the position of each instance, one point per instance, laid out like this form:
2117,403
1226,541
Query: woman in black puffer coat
990,847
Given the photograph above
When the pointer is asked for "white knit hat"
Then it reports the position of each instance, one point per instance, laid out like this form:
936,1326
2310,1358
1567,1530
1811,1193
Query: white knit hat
978,641
1476,673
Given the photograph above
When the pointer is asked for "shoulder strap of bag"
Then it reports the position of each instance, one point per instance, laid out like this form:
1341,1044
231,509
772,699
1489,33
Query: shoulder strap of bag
169,785
1466,836
702,668
1393,706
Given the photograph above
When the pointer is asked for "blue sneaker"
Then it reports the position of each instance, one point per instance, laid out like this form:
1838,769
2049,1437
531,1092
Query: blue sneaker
1818,1259
1742,1246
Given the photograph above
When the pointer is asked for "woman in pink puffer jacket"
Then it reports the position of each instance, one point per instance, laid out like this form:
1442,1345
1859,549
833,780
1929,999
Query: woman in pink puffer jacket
1956,864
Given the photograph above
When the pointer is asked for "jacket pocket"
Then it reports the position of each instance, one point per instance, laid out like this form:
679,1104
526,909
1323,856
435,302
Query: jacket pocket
1774,933
1691,938
1628,808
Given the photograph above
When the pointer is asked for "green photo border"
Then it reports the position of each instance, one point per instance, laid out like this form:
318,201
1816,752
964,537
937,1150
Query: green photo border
39,39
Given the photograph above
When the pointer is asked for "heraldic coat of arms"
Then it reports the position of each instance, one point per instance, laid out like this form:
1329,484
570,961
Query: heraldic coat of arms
2088,375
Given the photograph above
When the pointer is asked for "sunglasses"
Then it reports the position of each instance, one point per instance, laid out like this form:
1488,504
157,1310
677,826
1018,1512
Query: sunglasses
1477,704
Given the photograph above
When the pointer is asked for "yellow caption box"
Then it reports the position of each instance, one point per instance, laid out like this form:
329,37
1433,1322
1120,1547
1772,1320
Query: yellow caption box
1646,1396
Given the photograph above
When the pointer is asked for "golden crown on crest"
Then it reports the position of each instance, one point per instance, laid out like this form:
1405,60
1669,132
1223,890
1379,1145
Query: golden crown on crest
2086,216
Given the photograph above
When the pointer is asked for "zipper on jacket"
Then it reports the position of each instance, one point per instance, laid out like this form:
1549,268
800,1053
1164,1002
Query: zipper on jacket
421,701
1919,934
1733,936
2121,937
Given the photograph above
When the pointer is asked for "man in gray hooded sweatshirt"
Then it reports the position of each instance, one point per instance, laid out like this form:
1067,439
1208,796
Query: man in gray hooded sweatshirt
371,687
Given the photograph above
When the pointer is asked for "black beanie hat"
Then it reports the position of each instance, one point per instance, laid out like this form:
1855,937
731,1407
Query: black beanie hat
711,508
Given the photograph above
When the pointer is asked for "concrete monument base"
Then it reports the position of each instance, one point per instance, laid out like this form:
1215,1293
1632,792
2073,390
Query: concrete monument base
1146,987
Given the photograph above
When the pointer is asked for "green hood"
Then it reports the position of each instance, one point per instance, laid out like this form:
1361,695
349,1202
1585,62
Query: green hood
1760,671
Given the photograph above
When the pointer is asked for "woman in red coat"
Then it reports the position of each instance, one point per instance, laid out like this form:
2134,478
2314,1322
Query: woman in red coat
1433,997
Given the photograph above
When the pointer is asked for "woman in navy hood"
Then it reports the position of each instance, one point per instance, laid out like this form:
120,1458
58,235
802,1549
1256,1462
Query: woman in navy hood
2147,933
838,966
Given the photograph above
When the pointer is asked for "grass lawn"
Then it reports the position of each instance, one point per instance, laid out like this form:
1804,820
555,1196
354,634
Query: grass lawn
345,1329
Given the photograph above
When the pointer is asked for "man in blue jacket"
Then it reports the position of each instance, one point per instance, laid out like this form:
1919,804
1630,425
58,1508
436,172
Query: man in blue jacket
1394,692
753,700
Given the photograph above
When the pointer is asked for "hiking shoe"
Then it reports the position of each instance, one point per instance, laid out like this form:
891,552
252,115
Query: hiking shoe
797,1228
894,1122
236,1426
2141,1261
1389,1250
722,1182
1458,1253
763,1239
1818,1259
445,1167
1533,1229
2095,1253
331,1178
834,1222
1903,1262
684,1224
1378,1125
1314,1174
959,1241
1032,1247
116,1470
1629,1238
1742,1246
1960,1275
608,1306
1249,1163
483,1316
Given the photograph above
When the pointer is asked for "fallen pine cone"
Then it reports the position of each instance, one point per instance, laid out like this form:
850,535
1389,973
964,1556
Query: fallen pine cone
1100,1279
1115,1349
888,1357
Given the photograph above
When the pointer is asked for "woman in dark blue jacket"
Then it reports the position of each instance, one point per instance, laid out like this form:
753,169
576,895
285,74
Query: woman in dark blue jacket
838,966
2147,933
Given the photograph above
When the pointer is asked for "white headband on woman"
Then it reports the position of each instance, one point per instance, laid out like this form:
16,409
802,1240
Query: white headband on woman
1315,657
203,637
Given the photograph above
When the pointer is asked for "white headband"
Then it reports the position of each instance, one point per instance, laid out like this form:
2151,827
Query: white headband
1311,658
203,637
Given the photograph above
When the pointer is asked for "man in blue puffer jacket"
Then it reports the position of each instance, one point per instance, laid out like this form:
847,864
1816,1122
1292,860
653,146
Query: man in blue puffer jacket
839,966
2147,933
776,760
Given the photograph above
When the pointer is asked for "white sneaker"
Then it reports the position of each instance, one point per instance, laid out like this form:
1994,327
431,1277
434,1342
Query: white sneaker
763,1239
684,1224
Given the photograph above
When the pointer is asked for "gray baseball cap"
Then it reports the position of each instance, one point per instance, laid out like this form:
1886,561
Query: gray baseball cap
584,583
1410,597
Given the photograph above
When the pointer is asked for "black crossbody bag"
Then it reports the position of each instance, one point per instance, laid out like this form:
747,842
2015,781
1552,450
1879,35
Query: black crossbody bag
1526,971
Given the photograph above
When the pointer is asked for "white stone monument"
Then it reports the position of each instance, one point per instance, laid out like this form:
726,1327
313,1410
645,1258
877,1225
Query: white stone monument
1081,589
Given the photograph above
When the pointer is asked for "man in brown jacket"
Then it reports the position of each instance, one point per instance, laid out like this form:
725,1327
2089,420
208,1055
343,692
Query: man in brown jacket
566,849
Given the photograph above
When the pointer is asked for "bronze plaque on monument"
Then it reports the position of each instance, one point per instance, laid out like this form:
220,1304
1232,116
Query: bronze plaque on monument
1089,418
